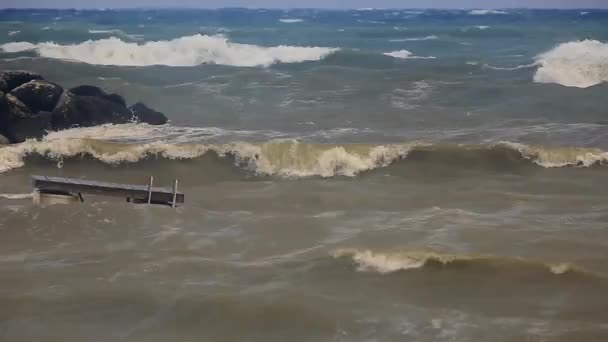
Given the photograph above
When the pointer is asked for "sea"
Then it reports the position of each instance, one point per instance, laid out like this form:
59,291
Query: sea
349,175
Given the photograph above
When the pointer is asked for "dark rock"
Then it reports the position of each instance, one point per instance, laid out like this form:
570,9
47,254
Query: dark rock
4,140
18,123
3,85
142,113
35,126
38,95
85,111
89,90
15,78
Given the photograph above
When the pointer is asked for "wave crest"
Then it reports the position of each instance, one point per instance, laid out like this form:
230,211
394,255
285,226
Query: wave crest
390,262
579,64
486,12
285,158
185,51
405,54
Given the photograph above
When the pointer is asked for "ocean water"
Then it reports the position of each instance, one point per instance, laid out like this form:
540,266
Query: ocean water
364,175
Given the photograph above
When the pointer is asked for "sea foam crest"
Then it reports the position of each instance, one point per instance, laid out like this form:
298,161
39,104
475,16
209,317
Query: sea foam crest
486,12
405,54
579,64
291,20
285,158
385,262
185,51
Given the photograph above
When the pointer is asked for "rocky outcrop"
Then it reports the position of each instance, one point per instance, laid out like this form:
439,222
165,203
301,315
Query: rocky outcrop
18,123
31,106
141,113
14,78
88,90
38,95
89,108
4,140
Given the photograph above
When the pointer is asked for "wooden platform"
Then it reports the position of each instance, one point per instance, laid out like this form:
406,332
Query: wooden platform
136,193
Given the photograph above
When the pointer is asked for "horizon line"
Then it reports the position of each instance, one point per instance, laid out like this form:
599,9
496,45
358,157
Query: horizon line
362,9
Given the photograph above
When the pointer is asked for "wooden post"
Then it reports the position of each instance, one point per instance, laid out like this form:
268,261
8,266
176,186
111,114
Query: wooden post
174,193
150,190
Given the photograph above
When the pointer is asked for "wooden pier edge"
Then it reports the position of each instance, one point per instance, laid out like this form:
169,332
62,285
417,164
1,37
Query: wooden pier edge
133,193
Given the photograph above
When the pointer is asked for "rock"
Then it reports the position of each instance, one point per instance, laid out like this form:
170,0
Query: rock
89,90
35,126
85,111
142,113
15,78
18,123
3,85
4,140
38,95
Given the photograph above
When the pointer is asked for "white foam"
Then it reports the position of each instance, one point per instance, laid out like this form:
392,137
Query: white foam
486,12
291,20
405,54
286,158
579,64
17,47
482,27
388,262
184,51
523,66
12,33
560,156
16,196
414,39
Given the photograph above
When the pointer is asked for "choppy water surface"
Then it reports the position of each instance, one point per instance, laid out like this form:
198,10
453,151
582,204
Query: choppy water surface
349,175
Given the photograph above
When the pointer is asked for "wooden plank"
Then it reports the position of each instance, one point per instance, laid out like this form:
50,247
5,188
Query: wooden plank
140,192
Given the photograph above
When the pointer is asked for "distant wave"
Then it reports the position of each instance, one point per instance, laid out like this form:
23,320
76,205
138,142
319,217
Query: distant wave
486,12
184,51
524,66
291,20
414,39
118,33
286,158
579,64
405,54
13,33
385,262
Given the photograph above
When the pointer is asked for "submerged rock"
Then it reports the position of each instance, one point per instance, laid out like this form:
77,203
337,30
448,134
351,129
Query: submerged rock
38,95
143,113
14,78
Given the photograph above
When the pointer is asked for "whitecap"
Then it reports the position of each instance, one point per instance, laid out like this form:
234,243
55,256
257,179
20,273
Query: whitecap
185,51
579,64
432,37
405,54
291,20
486,12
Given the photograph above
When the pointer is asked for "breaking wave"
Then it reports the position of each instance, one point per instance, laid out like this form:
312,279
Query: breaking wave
579,64
285,157
414,39
486,12
390,262
405,54
185,51
291,20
